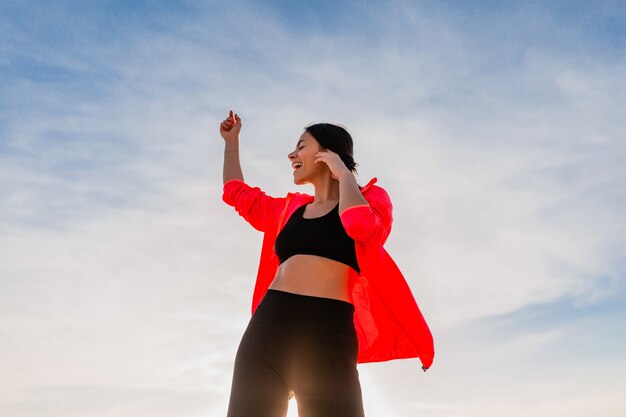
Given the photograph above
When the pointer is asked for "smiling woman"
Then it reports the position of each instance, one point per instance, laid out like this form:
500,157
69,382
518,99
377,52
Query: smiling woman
327,295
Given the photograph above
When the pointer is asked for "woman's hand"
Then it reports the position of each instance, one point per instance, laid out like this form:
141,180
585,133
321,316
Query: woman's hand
230,127
334,162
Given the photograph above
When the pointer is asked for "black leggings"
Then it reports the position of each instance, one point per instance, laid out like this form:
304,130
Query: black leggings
300,343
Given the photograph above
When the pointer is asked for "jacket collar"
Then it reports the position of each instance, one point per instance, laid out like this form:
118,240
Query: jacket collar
295,200
369,184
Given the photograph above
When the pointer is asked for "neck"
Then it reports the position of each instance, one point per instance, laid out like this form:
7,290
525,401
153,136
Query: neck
326,190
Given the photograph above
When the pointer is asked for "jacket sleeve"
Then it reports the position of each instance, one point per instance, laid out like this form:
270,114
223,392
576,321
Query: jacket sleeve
252,203
370,222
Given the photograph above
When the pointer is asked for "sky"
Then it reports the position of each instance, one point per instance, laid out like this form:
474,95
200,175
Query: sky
496,127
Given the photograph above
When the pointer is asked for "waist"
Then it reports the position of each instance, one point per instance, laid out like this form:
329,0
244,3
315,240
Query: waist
315,276
305,312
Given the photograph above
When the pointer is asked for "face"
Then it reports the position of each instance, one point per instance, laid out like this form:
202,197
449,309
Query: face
305,151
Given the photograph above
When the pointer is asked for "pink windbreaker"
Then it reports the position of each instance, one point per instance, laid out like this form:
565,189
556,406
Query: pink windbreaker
388,322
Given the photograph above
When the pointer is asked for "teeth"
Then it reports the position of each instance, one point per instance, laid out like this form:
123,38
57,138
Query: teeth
297,165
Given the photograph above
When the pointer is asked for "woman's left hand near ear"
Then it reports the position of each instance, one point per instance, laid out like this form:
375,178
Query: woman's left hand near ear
334,162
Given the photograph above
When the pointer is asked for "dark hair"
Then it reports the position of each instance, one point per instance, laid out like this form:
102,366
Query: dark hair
335,138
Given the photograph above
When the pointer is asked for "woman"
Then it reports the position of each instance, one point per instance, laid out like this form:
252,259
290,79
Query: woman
327,294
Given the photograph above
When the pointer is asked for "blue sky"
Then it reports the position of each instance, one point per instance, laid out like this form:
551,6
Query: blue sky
496,127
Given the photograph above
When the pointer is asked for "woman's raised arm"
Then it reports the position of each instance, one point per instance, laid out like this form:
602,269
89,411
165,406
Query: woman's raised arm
229,129
251,203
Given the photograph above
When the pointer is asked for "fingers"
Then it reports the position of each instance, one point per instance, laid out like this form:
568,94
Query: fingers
321,154
232,119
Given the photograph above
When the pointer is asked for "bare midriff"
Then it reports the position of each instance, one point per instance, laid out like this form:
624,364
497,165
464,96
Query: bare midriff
315,276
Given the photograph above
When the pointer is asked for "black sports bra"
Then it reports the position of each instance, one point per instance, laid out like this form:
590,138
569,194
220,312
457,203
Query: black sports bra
322,236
